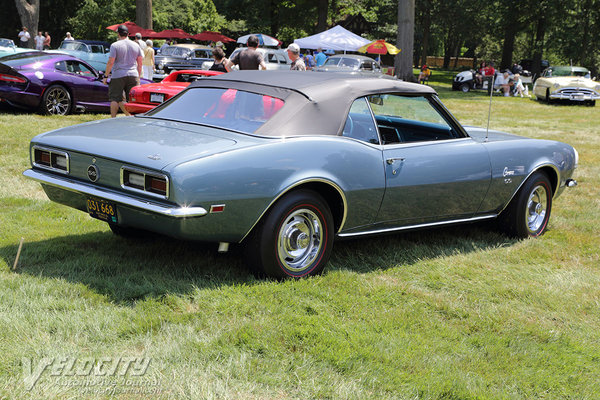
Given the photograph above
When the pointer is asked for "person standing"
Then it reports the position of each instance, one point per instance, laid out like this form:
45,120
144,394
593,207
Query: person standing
320,57
125,62
248,58
148,63
293,51
140,42
39,41
47,40
219,63
24,37
69,37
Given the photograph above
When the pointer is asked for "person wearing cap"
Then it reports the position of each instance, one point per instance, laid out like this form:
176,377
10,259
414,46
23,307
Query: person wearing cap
424,74
248,58
125,67
69,37
140,42
293,51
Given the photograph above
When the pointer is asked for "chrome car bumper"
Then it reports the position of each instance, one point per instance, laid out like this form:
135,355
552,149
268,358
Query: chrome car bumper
71,185
575,94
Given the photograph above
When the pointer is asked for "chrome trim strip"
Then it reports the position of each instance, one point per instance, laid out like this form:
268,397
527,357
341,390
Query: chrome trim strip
144,172
408,227
308,180
50,168
85,189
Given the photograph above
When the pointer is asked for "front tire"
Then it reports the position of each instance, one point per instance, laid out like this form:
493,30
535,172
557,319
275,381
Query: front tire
56,101
294,239
528,213
465,87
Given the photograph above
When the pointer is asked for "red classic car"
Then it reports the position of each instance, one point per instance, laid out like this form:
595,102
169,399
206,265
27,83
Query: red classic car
146,97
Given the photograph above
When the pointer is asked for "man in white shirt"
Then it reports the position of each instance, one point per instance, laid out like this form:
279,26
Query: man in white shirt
39,41
503,81
24,37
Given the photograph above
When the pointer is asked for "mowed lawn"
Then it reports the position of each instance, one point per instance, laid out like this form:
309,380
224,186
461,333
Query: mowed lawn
454,313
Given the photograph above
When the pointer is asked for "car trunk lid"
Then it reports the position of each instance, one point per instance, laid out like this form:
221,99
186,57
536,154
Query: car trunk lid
145,142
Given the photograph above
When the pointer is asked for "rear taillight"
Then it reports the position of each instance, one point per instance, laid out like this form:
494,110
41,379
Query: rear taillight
53,160
12,78
150,183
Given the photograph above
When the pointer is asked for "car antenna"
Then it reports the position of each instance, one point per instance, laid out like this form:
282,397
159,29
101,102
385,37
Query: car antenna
487,130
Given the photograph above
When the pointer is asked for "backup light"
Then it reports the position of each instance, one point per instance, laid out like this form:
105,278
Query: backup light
136,180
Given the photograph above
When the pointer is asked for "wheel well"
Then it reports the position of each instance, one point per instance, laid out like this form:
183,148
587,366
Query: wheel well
58,83
331,196
552,176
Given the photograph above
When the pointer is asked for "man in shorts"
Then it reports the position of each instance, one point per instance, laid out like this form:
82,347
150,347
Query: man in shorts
248,58
125,62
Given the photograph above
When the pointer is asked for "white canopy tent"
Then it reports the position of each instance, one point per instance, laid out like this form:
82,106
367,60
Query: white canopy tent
336,38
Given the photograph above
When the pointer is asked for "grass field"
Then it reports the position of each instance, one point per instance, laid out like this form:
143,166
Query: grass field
456,313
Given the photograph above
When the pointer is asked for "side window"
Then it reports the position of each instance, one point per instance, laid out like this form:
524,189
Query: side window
281,59
359,123
75,67
405,119
271,58
367,66
61,66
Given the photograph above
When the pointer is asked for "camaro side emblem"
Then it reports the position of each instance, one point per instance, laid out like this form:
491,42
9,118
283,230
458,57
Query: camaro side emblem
93,173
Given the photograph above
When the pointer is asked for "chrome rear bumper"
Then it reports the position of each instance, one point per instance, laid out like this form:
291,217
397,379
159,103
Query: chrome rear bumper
71,185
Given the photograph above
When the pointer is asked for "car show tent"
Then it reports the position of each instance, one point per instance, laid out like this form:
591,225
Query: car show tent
336,38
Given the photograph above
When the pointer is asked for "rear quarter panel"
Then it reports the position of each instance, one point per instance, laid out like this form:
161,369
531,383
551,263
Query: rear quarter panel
249,180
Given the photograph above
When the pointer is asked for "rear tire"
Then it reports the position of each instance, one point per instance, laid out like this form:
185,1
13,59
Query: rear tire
129,233
528,213
294,239
56,101
465,88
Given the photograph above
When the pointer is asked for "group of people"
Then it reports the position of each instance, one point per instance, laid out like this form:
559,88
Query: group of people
42,40
509,85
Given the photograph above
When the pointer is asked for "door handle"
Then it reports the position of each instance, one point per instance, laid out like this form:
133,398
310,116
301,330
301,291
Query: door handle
390,161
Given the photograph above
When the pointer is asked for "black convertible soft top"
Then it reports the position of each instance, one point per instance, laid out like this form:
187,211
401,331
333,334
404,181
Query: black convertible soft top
315,103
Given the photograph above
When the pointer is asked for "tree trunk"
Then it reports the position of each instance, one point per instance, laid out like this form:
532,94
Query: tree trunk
274,16
405,40
509,46
426,31
536,64
143,13
322,9
29,11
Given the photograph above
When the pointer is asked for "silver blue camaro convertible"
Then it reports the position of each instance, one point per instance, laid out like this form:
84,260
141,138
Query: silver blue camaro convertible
286,162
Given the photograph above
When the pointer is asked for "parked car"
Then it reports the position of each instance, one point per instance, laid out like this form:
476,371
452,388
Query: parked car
145,97
8,47
196,59
567,83
52,83
93,52
176,55
275,59
285,162
350,62
465,81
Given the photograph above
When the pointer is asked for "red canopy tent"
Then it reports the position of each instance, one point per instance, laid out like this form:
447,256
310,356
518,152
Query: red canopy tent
170,34
210,36
133,29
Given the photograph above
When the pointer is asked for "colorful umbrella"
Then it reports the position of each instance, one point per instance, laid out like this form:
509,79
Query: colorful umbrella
263,40
209,36
133,29
171,34
379,47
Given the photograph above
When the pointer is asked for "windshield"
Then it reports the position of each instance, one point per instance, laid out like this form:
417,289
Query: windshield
343,62
567,71
70,45
7,43
173,51
223,108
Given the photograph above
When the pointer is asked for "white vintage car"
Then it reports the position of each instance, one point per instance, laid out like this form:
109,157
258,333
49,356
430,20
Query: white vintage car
567,83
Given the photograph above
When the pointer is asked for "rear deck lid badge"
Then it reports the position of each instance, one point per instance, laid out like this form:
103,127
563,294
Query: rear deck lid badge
154,156
93,173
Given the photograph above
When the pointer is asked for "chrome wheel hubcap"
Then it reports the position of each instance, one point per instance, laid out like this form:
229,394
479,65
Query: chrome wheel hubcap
299,240
57,102
536,208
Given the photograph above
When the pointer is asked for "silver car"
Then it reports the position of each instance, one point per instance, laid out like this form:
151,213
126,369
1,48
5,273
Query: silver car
274,58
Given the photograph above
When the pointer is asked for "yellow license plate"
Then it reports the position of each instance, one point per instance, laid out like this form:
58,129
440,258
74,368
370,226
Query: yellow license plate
103,210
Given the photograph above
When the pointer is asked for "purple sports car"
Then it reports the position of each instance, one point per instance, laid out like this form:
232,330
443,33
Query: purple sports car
56,84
